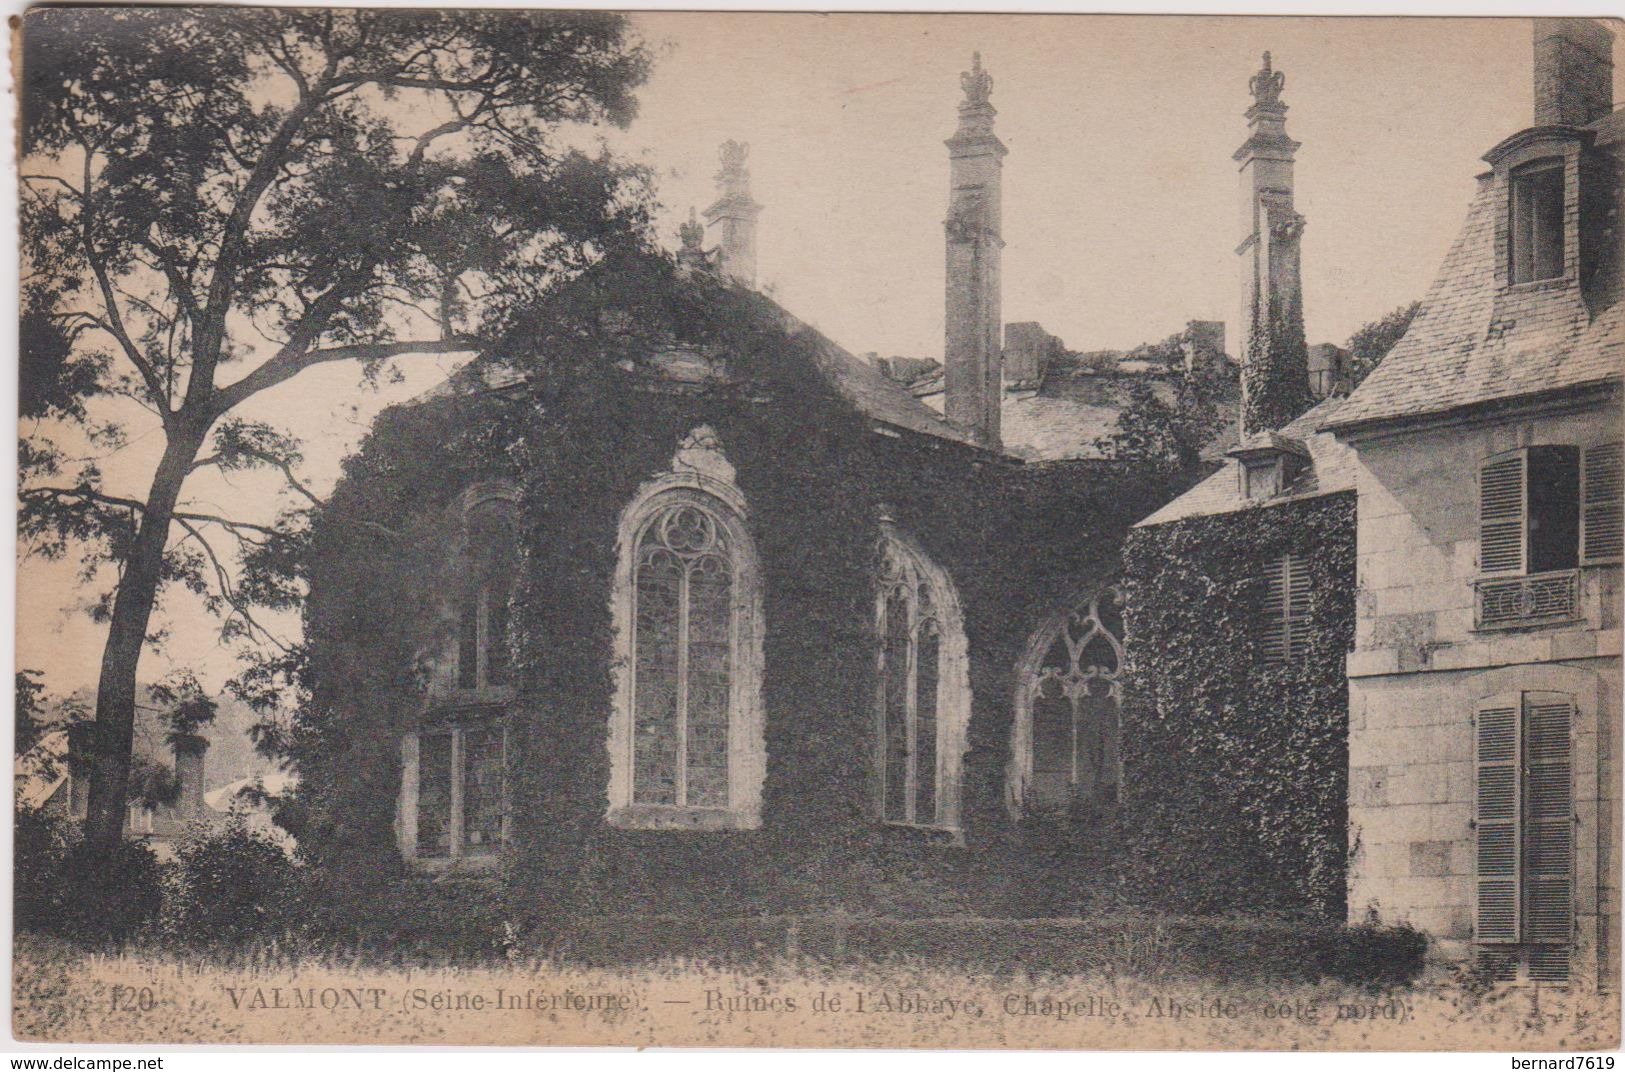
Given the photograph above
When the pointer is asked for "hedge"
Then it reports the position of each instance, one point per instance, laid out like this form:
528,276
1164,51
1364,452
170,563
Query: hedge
1214,949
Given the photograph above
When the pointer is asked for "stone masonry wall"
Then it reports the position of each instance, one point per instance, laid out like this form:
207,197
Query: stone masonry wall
1419,667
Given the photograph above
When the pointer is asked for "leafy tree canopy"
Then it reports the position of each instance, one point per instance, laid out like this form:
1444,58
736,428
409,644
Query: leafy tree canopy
215,200
1371,343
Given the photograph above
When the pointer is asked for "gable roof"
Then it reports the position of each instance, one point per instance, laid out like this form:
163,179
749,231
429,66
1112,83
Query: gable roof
876,395
1461,351
42,770
1331,469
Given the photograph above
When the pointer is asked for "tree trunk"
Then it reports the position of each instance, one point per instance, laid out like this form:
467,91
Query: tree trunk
126,634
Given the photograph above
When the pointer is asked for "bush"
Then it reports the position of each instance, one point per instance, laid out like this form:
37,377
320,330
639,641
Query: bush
64,888
402,917
39,844
231,883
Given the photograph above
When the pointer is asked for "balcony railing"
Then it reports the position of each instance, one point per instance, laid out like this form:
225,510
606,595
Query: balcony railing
1533,600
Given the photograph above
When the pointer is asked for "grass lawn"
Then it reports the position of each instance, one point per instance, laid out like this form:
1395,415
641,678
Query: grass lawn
66,994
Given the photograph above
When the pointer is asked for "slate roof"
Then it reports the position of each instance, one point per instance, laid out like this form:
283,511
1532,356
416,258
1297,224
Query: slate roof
1331,469
1460,351
875,394
1060,422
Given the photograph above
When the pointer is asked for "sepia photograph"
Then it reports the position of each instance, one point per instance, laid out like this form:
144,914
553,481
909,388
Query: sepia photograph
847,531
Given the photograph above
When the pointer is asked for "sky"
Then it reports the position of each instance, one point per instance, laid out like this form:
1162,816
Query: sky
1121,200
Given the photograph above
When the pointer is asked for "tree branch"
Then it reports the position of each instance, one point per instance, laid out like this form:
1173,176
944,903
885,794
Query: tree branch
115,322
227,591
286,365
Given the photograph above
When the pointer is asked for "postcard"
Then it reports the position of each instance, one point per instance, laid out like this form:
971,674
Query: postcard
572,528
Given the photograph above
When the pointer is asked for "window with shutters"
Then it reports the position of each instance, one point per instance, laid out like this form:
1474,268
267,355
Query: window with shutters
1283,613
1535,234
453,790
1602,504
923,688
1524,825
686,746
1543,511
1067,727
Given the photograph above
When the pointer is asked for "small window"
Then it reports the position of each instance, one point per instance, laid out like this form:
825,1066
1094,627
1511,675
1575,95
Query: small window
1283,621
457,808
1261,479
1536,232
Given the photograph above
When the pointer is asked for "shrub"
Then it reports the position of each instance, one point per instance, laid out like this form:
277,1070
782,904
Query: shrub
231,883
36,862
403,917
63,887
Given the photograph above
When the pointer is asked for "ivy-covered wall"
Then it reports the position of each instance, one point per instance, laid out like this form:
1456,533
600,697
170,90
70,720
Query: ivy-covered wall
1236,769
815,475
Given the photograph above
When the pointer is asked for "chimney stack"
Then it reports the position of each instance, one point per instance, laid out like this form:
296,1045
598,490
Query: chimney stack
1275,355
972,352
734,213
83,752
189,749
1574,72
1203,342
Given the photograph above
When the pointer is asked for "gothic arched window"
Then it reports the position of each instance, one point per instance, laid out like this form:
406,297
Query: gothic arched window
686,737
1067,721
923,694
482,606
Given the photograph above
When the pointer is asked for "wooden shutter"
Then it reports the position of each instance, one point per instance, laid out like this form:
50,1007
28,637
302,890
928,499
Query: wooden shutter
1502,519
1602,482
1272,633
1297,605
1548,820
1497,819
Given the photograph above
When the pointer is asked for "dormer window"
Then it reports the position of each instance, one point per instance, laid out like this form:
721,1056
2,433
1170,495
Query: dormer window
1535,234
1270,463
1261,479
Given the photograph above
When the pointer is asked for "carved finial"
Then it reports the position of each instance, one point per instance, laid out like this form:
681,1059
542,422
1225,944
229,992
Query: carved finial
733,155
977,83
733,179
692,233
1266,85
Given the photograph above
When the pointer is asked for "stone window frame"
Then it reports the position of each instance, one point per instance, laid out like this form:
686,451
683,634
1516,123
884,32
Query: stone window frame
456,723
452,708
1562,146
701,476
1085,604
953,706
1524,188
